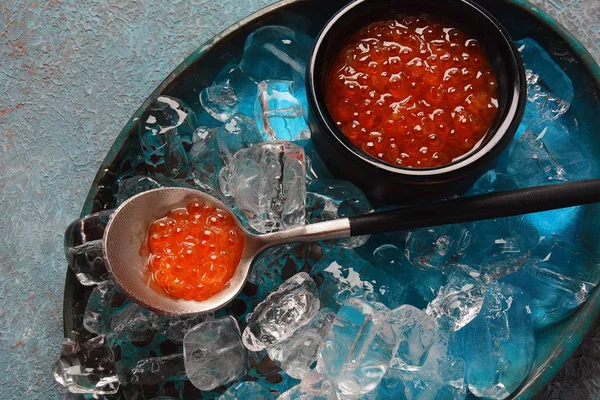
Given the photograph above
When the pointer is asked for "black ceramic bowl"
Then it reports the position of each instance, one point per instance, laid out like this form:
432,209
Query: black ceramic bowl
383,181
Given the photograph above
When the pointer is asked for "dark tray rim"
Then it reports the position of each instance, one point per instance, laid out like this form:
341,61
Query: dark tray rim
583,318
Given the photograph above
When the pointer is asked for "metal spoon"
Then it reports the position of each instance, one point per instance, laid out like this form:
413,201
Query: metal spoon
125,236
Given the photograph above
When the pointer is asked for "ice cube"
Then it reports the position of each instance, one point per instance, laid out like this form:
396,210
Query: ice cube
87,368
237,133
246,391
389,258
129,187
87,261
175,328
549,89
214,353
296,355
278,114
558,278
164,127
342,274
244,87
133,323
268,183
547,153
499,247
416,332
314,386
207,160
492,181
499,345
220,101
96,318
83,248
282,313
435,248
151,371
276,52
328,199
358,349
460,299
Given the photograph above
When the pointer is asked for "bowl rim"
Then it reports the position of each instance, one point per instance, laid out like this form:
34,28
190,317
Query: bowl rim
489,149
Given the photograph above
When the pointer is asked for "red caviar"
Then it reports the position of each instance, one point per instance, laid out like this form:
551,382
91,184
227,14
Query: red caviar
194,251
413,92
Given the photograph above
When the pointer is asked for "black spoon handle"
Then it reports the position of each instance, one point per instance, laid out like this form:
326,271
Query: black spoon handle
474,208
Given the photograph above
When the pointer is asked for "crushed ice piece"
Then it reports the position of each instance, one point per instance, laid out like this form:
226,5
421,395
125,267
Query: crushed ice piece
341,274
358,349
133,323
246,391
276,52
460,299
328,199
268,183
244,87
214,353
499,345
129,187
151,371
416,332
313,386
282,313
549,89
559,277
296,355
434,248
547,153
492,181
206,160
237,133
175,328
220,101
87,261
278,114
87,368
163,129
499,247
96,318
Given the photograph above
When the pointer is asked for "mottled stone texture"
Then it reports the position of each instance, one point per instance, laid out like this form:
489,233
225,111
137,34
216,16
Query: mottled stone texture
71,74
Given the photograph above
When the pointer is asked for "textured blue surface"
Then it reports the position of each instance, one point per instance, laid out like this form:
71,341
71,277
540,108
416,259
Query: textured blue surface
71,74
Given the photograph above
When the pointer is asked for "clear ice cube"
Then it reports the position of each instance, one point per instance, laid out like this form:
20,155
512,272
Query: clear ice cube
246,391
358,349
87,261
129,187
268,183
328,199
547,153
549,89
499,345
133,323
244,87
278,114
341,274
214,353
460,299
96,318
436,247
87,368
237,133
220,101
416,332
296,355
163,128
282,313
558,278
492,181
206,160
276,52
499,247
151,371
175,328
313,386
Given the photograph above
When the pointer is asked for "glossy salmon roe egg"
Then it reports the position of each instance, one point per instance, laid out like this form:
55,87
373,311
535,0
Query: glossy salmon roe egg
194,251
413,92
